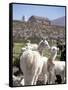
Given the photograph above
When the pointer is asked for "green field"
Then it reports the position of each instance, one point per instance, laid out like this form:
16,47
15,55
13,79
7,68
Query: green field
17,51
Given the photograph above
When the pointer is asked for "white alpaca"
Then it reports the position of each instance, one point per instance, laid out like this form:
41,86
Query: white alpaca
51,65
42,45
31,65
33,46
55,67
60,69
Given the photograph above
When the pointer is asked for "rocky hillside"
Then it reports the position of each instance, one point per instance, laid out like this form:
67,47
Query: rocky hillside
25,30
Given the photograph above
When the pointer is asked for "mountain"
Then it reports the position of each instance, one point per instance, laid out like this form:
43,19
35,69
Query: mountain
59,21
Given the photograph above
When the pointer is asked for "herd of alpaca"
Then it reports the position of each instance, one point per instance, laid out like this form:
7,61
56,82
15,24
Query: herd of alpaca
35,66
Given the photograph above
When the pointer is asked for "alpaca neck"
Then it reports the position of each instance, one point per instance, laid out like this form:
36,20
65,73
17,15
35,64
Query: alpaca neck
53,56
40,50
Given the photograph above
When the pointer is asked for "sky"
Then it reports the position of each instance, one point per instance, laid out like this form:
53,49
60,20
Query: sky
52,12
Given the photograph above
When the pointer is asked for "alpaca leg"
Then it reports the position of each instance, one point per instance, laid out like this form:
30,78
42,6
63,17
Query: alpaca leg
29,79
51,77
36,76
63,77
45,78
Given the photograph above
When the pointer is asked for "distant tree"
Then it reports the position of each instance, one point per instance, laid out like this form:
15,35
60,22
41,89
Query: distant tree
63,53
62,49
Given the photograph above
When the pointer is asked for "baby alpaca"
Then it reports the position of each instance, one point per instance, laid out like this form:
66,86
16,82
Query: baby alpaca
56,67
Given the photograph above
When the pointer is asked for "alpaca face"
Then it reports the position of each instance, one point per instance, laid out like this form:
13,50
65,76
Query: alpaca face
46,44
54,49
43,45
